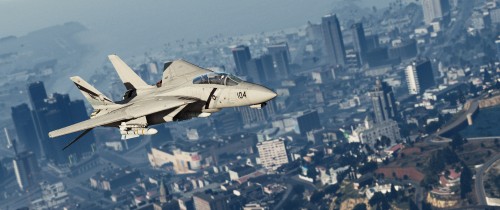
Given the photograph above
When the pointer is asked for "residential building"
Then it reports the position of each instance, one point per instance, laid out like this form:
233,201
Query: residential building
370,132
184,161
53,196
272,153
114,179
434,9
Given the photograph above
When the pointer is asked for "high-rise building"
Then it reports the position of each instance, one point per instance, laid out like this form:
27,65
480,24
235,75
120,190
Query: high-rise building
308,121
359,40
334,41
268,67
419,76
37,94
272,153
25,128
61,112
281,58
51,113
255,70
26,169
241,55
434,9
384,102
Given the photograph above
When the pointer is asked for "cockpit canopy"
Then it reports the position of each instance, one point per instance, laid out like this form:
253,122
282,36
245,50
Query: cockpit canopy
217,78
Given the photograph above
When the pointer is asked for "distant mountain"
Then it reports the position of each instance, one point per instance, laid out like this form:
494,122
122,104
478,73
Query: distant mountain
57,46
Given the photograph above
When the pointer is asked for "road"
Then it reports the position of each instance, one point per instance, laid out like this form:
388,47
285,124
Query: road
285,196
479,183
460,119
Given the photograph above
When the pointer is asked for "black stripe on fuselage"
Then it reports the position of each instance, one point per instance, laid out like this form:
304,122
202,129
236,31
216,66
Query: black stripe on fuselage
210,98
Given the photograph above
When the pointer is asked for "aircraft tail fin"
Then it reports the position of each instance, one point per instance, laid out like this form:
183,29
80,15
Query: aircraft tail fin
129,78
94,96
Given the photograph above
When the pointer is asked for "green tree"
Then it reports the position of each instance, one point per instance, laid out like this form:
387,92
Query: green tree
360,206
376,199
393,195
465,181
457,142
435,164
412,205
426,206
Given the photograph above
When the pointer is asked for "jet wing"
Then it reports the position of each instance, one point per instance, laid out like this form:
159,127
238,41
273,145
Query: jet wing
178,72
135,110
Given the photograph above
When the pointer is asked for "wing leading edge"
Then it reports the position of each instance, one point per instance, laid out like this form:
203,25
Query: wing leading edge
126,113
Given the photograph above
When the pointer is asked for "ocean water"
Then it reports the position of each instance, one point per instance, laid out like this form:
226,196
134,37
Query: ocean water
486,123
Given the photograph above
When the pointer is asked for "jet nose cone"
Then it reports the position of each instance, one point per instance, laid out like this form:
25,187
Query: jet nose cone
264,94
269,94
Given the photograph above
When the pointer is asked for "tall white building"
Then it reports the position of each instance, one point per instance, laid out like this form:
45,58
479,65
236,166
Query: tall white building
419,76
434,9
26,169
272,153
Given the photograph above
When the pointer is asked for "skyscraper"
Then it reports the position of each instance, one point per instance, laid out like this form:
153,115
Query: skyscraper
359,40
241,55
281,58
255,70
26,169
434,9
61,112
384,103
308,121
37,94
25,128
268,67
50,113
334,41
419,76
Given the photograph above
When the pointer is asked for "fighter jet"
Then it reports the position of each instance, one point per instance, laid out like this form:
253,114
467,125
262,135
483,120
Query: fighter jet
184,92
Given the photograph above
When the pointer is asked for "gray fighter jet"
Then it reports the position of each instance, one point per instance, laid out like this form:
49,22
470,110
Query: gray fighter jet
185,91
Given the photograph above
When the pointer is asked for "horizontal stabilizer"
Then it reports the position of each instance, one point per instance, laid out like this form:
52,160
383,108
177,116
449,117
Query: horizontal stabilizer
94,96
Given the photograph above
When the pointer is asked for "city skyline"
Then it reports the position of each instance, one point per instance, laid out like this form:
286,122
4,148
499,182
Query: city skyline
377,108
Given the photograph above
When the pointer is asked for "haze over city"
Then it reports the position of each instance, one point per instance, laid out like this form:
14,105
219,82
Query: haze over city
238,105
